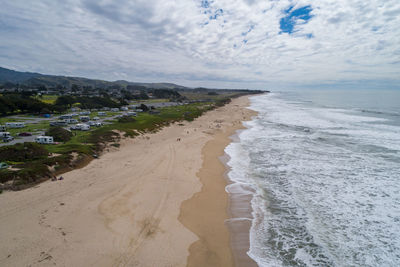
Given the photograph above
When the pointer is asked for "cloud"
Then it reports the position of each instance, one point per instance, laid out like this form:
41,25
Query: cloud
240,43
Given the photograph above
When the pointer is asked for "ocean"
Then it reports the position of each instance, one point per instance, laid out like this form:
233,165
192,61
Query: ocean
323,169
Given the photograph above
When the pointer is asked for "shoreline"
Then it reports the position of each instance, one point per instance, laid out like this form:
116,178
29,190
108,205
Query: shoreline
120,208
227,243
240,214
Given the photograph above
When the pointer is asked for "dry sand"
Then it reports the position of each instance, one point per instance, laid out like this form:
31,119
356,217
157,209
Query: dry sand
123,209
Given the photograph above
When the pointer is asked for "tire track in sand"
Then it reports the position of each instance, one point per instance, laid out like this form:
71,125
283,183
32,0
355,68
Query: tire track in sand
151,224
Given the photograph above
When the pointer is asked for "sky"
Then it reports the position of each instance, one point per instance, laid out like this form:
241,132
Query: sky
269,44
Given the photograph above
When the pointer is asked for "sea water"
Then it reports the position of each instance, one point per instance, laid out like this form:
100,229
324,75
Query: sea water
324,171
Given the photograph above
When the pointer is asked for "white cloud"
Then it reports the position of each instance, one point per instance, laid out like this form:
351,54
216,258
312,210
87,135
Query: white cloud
154,40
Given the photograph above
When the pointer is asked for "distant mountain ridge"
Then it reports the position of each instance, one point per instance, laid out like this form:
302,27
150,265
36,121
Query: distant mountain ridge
7,75
37,79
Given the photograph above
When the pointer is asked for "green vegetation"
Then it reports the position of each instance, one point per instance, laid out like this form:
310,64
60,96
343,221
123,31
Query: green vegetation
23,103
48,99
31,128
59,134
23,152
86,102
4,120
35,162
150,101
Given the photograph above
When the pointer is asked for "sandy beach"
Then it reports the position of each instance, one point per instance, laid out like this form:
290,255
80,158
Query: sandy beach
158,200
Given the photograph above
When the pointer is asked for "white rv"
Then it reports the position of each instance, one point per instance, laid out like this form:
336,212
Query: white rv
15,124
81,126
65,117
84,118
70,121
102,113
44,139
4,134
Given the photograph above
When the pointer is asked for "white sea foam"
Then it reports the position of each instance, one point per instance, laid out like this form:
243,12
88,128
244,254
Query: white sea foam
326,185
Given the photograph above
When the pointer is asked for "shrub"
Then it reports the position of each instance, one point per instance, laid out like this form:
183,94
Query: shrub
126,119
144,107
59,134
100,137
22,152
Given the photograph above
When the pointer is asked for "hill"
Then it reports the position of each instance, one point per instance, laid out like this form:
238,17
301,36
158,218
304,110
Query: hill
12,76
37,79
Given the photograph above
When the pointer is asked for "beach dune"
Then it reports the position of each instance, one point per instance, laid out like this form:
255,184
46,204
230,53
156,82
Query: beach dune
124,209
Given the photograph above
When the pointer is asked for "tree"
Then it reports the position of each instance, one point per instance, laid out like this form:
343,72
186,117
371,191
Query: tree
143,95
123,102
126,94
65,100
144,107
42,87
74,88
45,110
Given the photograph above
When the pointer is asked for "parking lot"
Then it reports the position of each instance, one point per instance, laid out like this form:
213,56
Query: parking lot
32,121
38,125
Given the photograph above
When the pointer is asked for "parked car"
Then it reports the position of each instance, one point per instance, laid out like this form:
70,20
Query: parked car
7,139
3,165
25,134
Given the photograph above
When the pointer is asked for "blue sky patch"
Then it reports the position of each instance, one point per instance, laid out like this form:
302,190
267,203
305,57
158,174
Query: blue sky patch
288,22
217,13
205,4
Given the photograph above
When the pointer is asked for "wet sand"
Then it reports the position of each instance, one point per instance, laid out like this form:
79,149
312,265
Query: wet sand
222,242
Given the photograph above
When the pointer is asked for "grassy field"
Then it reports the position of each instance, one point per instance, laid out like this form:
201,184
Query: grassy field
31,128
201,96
109,114
48,99
8,119
149,101
78,143
87,141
